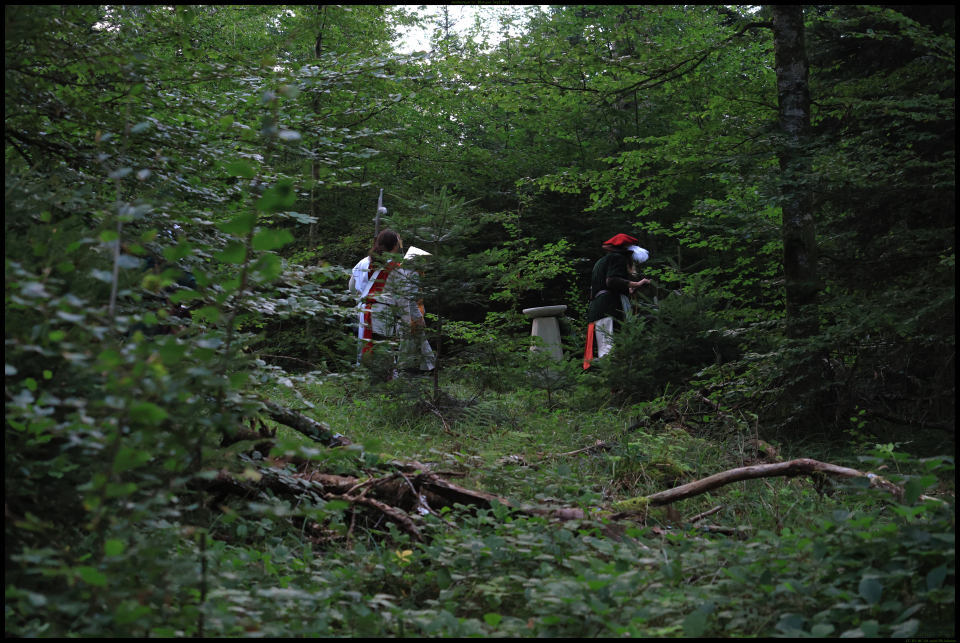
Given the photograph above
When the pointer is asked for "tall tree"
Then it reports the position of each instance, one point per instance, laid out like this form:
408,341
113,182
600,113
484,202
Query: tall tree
799,228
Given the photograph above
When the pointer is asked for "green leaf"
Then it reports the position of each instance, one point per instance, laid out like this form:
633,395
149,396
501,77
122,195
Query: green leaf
278,198
271,239
870,629
936,577
129,611
172,353
119,489
208,314
870,590
47,375
128,458
30,383
113,547
109,358
790,624
444,580
242,169
91,576
694,624
240,225
913,490
821,630
233,253
269,267
492,620
226,121
905,629
147,413
177,252
184,295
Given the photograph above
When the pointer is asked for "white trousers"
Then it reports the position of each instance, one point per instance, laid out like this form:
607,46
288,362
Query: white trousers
603,329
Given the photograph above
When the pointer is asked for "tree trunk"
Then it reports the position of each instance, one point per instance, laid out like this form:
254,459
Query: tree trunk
436,358
799,231
312,352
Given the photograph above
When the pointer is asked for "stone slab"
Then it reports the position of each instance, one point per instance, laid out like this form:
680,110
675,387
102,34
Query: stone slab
544,311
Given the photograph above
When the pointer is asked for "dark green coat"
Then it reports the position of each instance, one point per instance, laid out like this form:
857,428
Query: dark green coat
610,274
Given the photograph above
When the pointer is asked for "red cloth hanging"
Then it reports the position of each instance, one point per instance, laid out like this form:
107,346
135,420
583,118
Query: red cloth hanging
369,301
588,354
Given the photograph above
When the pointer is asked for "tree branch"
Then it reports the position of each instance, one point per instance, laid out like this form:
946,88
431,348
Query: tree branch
317,431
790,469
760,24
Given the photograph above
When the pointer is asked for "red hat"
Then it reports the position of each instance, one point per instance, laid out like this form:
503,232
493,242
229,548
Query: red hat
619,240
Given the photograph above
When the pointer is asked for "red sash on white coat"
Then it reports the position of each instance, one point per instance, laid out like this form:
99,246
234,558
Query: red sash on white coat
376,287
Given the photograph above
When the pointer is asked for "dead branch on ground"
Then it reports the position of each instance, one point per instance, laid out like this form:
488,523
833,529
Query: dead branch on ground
802,466
407,491
705,514
317,431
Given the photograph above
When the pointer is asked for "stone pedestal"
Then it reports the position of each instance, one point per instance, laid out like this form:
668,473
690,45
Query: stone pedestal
546,327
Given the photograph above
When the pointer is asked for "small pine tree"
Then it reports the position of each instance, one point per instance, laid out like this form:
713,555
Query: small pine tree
440,225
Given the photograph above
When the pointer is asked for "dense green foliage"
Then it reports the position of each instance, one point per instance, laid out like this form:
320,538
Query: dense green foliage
185,186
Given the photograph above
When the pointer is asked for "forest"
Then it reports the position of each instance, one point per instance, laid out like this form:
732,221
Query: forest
208,434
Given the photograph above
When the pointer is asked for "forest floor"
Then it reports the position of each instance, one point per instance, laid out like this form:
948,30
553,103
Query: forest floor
787,550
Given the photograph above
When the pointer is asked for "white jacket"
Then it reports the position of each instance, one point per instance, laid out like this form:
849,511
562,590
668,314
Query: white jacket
396,303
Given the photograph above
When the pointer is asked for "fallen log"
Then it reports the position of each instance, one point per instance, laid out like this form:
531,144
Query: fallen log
401,518
794,468
323,486
403,498
316,431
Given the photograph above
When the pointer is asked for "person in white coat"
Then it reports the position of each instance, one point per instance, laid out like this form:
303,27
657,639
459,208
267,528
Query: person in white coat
387,295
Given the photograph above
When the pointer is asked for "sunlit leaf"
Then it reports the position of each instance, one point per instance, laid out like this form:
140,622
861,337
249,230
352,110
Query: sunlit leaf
278,198
271,239
147,413
242,169
233,253
92,576
240,225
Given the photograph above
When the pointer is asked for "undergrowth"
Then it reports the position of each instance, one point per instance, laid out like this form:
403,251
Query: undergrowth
800,560
795,559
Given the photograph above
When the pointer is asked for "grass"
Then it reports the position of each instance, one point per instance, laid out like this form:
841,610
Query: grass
509,444
801,562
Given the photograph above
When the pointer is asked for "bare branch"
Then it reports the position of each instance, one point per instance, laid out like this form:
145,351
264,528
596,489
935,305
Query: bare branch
317,431
790,469
705,514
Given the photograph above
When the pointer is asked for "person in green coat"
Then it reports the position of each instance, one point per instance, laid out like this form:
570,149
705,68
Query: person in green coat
611,284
